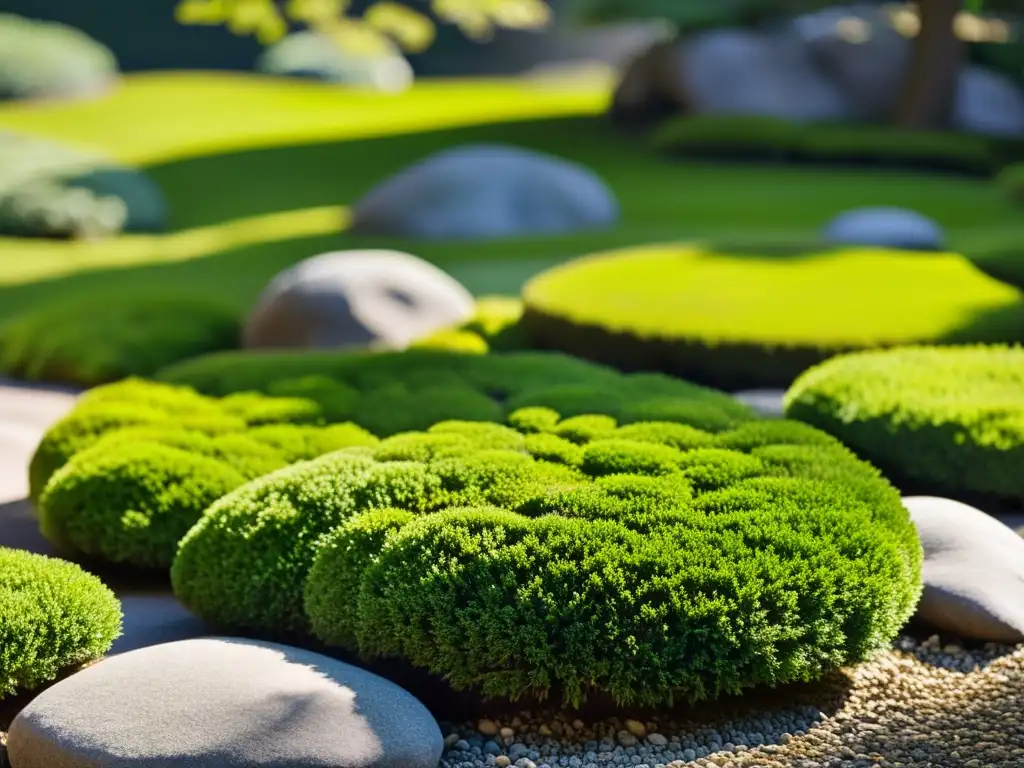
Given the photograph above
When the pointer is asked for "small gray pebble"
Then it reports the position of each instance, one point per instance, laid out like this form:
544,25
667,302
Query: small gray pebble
462,745
525,762
492,748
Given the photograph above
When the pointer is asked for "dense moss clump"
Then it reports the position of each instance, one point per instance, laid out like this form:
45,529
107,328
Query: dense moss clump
53,616
253,433
132,502
125,404
101,338
740,320
650,561
128,473
389,393
946,421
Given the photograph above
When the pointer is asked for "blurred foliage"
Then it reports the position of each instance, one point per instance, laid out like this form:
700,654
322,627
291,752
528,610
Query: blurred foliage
381,27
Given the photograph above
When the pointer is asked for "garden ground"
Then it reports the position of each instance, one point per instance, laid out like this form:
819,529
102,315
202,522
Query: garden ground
258,173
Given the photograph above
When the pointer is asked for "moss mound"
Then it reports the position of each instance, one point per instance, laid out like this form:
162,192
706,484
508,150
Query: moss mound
102,339
53,616
947,420
131,503
118,406
397,392
741,320
127,473
654,562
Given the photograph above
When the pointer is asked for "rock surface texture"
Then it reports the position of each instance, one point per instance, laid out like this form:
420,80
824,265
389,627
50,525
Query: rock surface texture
487,191
885,228
973,571
221,702
741,72
374,298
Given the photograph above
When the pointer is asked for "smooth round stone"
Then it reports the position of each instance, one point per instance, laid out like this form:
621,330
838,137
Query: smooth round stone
487,192
885,227
223,702
372,298
973,571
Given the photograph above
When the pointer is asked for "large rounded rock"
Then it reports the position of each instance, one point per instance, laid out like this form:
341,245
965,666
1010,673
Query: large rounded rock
988,103
217,702
487,191
973,571
860,49
383,299
743,72
885,227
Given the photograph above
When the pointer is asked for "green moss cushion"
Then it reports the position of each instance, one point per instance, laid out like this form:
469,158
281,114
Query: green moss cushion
945,421
394,392
132,502
126,474
742,320
654,563
53,616
102,338
253,433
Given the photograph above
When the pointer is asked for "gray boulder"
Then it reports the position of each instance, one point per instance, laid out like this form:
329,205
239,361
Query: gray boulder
487,191
381,299
859,48
973,571
885,227
220,702
988,103
743,72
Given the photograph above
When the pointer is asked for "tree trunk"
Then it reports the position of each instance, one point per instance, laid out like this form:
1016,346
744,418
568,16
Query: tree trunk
930,88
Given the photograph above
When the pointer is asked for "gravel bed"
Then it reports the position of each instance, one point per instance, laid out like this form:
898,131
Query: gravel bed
921,705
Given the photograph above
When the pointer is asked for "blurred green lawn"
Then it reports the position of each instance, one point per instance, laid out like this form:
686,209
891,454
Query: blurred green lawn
257,172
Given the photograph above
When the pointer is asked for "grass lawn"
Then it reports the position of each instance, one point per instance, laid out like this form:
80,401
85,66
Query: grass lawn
258,171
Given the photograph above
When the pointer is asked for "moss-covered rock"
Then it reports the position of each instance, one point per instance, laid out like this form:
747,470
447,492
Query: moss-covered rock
693,566
53,616
948,421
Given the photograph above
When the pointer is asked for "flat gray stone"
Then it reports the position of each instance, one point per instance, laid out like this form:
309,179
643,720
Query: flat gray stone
221,703
885,227
487,191
973,571
373,298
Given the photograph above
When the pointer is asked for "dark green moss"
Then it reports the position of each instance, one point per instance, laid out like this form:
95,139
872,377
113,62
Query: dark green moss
633,570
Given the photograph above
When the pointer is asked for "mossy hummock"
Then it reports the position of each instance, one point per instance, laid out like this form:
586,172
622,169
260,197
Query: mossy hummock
388,393
742,320
53,616
648,562
936,421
